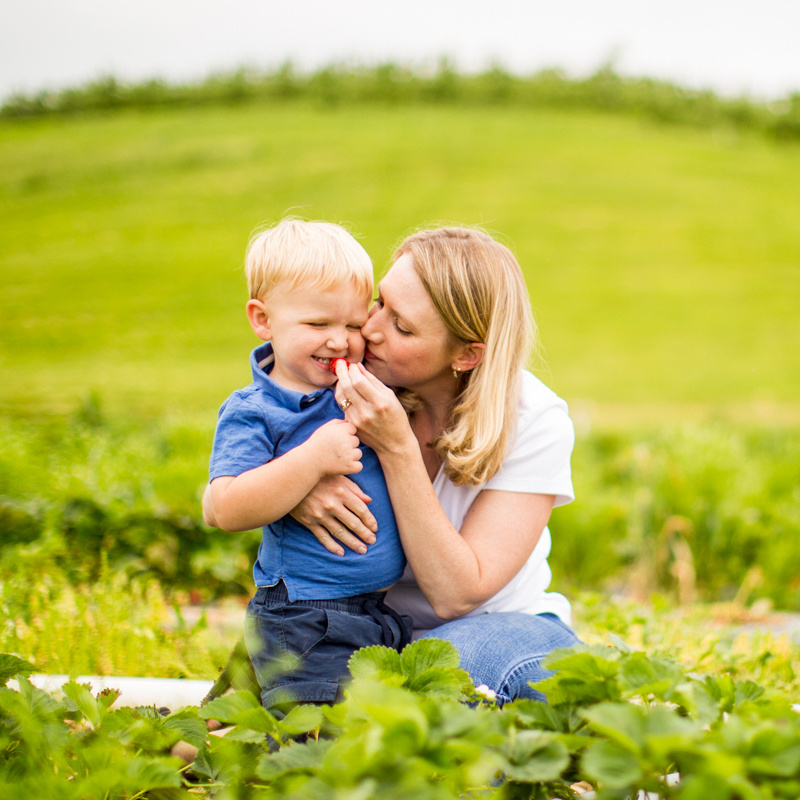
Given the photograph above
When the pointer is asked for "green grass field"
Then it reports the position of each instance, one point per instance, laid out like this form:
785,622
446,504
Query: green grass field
663,263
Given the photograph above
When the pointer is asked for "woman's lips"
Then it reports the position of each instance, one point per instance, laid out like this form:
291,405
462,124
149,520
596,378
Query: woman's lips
370,356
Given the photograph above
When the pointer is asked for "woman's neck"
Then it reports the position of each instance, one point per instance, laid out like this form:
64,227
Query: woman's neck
435,411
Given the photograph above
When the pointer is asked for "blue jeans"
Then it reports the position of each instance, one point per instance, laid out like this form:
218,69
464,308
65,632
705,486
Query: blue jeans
504,650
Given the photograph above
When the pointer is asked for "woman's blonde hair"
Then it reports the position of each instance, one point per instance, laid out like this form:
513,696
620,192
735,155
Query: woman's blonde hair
477,287
305,253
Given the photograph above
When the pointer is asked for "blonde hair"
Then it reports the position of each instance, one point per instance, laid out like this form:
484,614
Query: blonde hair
317,254
477,287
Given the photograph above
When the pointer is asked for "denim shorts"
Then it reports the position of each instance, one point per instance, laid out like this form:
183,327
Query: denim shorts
323,634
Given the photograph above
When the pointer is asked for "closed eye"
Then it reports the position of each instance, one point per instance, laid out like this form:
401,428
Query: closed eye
399,329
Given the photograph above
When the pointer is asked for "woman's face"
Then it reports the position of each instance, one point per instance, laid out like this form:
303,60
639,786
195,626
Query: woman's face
408,344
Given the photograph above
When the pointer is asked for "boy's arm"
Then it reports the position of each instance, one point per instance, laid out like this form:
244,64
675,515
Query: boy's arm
267,493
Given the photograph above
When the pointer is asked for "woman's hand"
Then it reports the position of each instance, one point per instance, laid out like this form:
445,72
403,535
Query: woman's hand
336,508
374,409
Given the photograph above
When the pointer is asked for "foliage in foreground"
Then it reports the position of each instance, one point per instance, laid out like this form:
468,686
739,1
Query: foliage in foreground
413,725
391,84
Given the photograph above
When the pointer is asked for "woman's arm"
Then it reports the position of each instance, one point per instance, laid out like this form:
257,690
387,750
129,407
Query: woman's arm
457,570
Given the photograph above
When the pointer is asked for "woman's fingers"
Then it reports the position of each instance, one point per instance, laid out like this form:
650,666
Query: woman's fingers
350,541
326,540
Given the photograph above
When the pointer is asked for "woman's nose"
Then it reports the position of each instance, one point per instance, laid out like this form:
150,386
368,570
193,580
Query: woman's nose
371,330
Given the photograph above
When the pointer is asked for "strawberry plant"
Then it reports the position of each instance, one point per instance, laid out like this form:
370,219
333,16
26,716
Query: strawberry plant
413,725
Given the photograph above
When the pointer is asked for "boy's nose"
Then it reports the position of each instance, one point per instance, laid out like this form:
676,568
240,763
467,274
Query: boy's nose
337,341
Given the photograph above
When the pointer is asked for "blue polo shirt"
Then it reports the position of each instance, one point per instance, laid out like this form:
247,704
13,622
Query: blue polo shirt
262,422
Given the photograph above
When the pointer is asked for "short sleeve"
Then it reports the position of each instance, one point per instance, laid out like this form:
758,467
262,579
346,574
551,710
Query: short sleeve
539,460
242,440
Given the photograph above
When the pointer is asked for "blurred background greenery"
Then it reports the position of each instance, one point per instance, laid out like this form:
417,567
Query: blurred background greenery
660,239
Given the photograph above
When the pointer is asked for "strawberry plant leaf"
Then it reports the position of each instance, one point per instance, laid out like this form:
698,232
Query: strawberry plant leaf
107,697
643,676
535,756
437,681
229,706
301,719
622,723
296,758
612,766
187,726
79,698
145,774
12,665
372,661
426,653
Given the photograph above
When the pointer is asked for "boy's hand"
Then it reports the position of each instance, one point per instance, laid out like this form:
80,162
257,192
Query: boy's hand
337,445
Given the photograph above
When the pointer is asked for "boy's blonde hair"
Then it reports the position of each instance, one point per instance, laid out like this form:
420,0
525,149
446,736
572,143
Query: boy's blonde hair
477,288
314,254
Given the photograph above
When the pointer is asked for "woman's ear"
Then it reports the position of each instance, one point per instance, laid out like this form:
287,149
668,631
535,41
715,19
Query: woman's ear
258,316
471,355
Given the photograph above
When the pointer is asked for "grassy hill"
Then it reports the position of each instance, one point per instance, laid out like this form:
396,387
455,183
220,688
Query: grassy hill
663,263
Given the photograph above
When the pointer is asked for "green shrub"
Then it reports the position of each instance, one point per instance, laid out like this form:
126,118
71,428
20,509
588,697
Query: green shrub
333,85
695,510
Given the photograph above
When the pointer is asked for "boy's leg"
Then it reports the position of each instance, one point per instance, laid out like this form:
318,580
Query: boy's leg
505,650
320,634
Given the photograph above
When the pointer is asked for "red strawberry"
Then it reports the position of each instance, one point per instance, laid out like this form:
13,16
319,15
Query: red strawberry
335,361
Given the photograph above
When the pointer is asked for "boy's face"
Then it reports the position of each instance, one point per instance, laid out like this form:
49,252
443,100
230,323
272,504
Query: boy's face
310,326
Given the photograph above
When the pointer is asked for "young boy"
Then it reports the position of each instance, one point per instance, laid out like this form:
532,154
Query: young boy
310,286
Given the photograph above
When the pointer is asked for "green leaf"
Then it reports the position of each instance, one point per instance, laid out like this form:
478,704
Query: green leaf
187,726
535,757
147,734
645,676
40,704
694,698
427,653
370,661
228,706
437,681
774,753
301,719
107,697
747,691
609,764
12,665
584,674
146,774
623,723
81,699
293,758
530,713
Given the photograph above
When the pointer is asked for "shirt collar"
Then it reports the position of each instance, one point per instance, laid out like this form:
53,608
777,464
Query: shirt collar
261,361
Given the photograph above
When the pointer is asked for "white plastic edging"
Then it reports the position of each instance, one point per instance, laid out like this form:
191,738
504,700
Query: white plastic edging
171,693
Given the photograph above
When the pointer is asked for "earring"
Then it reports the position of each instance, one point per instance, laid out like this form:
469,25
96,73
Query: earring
457,372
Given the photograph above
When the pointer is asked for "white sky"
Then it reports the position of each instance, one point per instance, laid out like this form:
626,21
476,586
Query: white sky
734,47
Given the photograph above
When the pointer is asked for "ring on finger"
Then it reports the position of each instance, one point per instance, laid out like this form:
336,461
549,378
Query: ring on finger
345,404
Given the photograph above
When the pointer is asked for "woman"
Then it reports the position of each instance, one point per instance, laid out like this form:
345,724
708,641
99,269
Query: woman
475,451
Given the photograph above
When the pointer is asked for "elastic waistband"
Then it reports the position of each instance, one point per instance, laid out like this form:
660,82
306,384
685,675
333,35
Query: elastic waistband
279,595
370,604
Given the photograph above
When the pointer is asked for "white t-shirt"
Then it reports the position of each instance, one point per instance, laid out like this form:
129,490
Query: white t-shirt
538,462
